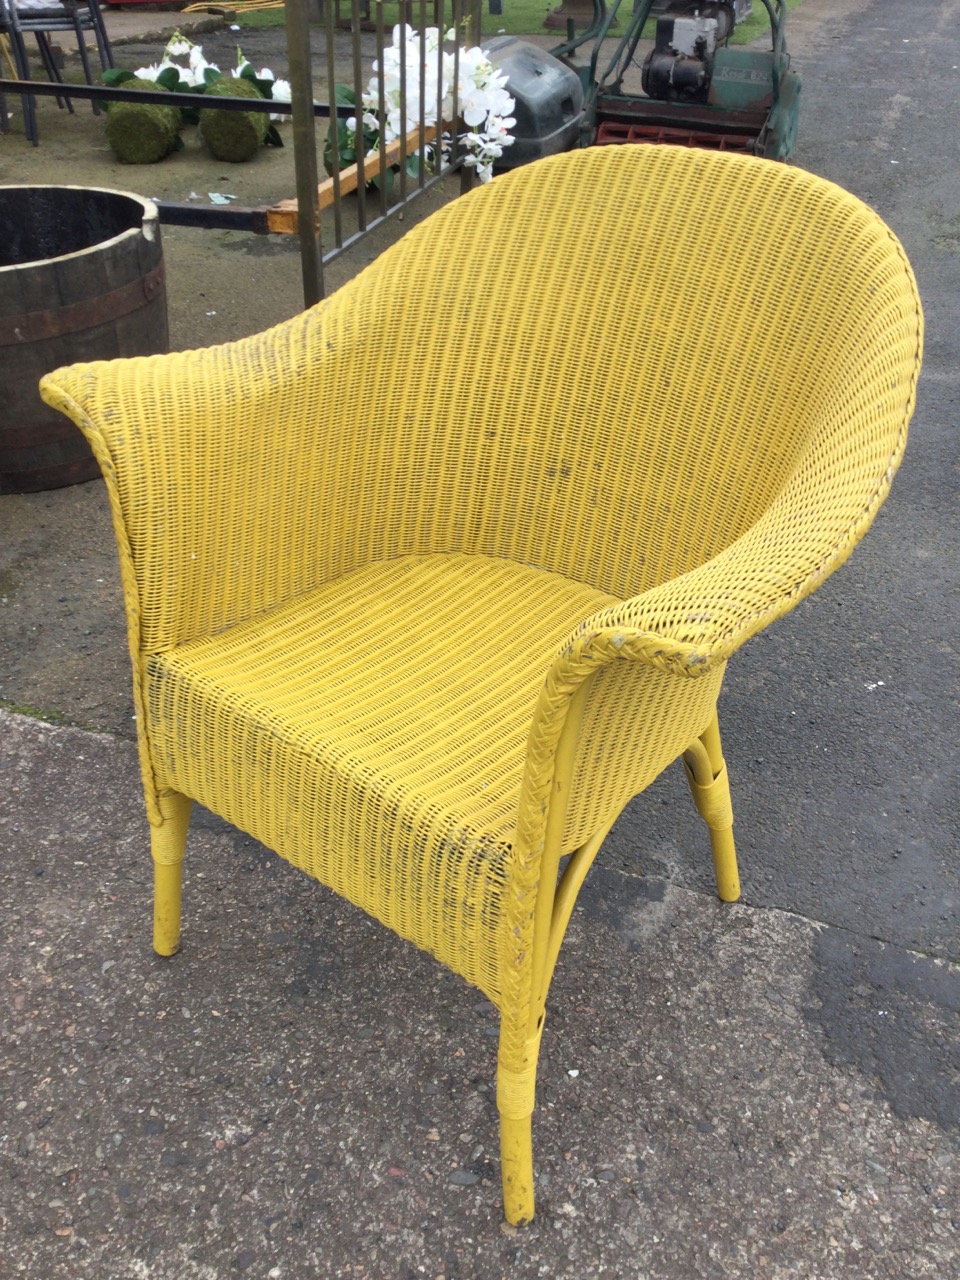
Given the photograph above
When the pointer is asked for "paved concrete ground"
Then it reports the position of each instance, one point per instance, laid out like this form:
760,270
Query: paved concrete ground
764,1090
298,1093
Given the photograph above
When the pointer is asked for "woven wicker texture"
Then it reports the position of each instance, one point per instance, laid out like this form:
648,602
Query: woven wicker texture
587,429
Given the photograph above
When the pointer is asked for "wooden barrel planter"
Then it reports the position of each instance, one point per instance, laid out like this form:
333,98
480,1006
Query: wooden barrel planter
81,278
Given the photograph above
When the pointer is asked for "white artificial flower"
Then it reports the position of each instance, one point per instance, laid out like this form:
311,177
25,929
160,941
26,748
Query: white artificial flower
280,91
467,85
473,108
194,74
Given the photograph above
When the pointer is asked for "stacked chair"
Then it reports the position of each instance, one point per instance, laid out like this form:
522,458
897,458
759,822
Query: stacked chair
41,18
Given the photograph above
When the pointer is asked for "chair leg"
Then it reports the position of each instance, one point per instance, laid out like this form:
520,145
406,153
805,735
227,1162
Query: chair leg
710,786
167,844
18,52
516,1095
30,126
85,58
100,33
51,68
516,1165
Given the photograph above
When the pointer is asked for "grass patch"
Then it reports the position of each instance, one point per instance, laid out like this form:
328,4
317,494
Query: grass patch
34,713
758,24
525,17
261,18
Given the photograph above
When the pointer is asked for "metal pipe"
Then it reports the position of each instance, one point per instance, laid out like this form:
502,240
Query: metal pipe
355,21
199,101
304,150
384,174
333,135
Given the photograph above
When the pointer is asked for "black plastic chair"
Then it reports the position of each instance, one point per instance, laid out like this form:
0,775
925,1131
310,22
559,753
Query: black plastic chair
77,16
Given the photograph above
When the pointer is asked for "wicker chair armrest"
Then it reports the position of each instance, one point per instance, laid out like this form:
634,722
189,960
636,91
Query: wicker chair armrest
214,461
690,624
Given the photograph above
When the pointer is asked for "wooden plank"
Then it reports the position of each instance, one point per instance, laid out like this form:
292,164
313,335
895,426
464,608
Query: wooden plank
282,217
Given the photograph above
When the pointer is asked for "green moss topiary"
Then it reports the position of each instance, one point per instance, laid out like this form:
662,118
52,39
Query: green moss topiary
141,132
233,135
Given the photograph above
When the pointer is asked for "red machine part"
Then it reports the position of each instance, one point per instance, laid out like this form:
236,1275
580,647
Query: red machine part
612,131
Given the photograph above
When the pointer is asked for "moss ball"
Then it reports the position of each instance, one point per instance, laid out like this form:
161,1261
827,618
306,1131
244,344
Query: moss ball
233,135
141,132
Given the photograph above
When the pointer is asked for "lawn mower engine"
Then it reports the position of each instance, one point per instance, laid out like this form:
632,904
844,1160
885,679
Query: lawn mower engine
678,69
697,89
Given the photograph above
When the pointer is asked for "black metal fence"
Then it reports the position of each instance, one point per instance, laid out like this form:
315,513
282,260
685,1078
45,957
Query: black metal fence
388,137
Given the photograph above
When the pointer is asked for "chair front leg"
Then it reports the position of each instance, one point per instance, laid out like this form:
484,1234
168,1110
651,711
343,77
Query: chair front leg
168,842
51,68
516,1094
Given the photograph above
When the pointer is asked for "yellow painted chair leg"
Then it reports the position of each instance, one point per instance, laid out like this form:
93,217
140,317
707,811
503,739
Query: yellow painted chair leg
516,1164
516,1094
725,865
710,787
167,844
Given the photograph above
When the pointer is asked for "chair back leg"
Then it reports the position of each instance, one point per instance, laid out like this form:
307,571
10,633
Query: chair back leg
80,28
50,67
99,29
17,54
710,787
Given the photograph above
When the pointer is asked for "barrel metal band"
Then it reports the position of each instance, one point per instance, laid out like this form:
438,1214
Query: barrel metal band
35,326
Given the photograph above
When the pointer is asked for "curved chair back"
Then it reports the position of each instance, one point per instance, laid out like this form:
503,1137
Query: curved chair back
598,364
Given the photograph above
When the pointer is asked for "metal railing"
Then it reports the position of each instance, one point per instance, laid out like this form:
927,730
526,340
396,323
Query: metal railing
353,196
356,35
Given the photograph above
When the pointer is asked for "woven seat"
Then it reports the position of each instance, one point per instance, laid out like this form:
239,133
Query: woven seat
441,746
425,584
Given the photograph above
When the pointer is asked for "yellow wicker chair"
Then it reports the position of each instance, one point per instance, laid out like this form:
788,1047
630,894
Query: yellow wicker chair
425,584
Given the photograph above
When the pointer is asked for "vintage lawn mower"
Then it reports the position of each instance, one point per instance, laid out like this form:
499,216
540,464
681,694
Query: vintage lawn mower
695,88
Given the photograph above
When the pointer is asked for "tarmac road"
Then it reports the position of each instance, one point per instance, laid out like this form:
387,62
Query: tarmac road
841,723
773,1090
